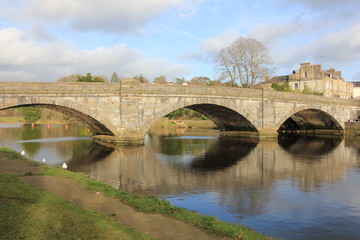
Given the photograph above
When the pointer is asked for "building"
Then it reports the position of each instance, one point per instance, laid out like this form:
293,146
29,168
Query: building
356,91
328,82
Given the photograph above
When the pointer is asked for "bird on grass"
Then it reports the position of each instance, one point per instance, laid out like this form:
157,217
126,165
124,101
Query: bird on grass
22,153
64,166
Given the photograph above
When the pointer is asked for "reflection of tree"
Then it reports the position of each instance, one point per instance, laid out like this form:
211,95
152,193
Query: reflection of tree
83,154
353,142
225,153
308,146
28,133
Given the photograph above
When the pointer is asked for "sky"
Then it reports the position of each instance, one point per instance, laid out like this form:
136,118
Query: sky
44,40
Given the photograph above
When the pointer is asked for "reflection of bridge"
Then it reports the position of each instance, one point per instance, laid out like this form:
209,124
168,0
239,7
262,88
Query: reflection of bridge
125,112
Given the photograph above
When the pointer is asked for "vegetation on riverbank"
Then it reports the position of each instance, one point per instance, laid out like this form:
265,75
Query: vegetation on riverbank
28,212
26,202
11,119
154,205
183,124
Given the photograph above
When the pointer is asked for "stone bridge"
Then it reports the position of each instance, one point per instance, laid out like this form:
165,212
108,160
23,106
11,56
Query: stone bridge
122,113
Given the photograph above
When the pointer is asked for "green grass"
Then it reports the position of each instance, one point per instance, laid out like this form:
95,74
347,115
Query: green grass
28,212
9,153
155,205
10,119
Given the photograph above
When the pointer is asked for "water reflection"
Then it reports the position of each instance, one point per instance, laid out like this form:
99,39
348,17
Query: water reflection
293,188
85,154
285,190
309,146
55,143
225,153
29,133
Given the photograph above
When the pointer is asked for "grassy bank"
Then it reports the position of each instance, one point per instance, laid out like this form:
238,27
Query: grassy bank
167,123
26,209
10,119
28,212
155,205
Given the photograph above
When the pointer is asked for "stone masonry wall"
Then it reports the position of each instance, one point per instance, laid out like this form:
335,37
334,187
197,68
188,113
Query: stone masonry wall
134,108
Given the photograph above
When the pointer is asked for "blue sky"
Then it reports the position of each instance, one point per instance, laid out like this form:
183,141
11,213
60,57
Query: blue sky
44,40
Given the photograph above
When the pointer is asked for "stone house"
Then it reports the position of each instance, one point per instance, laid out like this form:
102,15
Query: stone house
329,82
356,91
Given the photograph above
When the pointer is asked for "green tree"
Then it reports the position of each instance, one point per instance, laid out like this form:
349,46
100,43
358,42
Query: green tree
318,93
114,78
180,81
31,114
214,83
307,90
160,80
89,78
281,87
200,81
141,79
185,113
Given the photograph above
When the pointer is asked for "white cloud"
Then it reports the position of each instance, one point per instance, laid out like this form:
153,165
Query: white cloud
211,46
115,16
339,49
326,4
27,59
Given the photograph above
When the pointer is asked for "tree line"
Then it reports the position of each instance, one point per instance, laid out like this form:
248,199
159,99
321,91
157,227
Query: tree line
244,63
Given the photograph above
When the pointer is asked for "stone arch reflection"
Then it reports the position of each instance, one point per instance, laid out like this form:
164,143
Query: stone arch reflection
308,146
90,154
224,154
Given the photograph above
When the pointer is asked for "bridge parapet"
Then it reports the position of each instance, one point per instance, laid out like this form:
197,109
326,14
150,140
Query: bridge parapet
40,87
144,88
190,90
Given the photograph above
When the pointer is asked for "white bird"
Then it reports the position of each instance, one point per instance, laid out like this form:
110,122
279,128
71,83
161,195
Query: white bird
64,166
43,159
22,153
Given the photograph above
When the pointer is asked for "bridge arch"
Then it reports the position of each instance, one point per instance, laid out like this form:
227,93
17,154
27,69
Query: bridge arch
90,118
305,118
226,118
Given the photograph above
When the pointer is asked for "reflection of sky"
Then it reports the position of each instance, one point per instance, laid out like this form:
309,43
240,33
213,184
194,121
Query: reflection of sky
49,146
331,212
179,160
193,137
204,202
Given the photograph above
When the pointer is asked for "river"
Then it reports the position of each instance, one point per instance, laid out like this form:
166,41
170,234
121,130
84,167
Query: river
290,188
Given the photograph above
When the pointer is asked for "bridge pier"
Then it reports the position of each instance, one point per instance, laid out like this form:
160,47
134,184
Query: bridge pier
268,133
128,139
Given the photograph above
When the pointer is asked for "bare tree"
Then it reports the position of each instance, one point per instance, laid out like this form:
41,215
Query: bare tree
160,80
245,61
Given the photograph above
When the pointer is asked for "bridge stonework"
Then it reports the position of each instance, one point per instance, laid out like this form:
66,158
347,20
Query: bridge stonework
123,113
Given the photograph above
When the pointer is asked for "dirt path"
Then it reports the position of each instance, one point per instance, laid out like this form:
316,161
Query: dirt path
155,225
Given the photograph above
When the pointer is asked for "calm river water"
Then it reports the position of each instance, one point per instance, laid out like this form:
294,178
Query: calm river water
292,188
